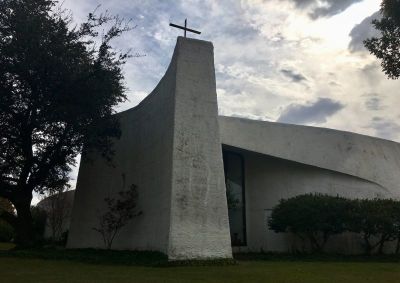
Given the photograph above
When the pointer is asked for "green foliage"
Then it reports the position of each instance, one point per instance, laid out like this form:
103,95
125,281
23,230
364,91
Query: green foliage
58,86
6,206
7,215
312,216
377,220
6,231
391,9
316,217
387,46
119,212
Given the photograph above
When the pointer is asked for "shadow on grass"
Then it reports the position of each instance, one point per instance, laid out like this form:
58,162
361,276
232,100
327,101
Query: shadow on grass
93,256
109,257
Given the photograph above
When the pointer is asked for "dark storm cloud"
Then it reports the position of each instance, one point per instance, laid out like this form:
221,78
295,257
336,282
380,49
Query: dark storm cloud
294,76
331,8
315,112
363,31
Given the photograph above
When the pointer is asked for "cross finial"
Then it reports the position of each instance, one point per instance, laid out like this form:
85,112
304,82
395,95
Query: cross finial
184,28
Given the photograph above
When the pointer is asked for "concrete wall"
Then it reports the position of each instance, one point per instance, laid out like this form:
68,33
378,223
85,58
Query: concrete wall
283,161
199,215
170,149
365,157
269,179
60,208
143,156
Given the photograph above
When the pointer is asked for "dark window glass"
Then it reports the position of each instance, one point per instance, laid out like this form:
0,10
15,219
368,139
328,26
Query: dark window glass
233,165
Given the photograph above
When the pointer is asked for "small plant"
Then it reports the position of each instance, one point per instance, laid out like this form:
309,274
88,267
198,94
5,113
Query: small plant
119,212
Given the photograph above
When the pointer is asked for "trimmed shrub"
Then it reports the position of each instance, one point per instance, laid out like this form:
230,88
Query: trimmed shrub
377,221
315,217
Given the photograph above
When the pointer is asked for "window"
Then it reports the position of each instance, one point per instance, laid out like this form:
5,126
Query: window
234,180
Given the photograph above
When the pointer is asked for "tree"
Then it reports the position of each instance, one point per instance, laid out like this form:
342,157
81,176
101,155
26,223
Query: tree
387,46
58,86
396,223
119,212
6,230
377,222
6,206
58,210
315,217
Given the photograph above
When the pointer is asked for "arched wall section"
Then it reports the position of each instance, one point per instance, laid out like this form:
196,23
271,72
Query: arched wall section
170,149
269,179
143,157
365,157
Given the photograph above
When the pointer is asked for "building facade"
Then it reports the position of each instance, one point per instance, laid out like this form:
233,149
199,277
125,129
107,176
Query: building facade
207,183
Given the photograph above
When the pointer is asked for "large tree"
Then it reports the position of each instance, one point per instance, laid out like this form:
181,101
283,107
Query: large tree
58,86
387,46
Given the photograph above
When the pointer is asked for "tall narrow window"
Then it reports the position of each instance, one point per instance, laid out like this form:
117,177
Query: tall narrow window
234,180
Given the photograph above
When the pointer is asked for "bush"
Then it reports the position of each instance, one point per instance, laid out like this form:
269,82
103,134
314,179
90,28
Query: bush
317,217
6,231
377,220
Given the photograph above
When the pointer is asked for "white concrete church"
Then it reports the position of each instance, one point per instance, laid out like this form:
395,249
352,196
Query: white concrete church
185,159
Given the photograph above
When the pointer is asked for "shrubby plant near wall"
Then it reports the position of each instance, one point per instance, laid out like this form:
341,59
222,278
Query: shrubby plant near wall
316,217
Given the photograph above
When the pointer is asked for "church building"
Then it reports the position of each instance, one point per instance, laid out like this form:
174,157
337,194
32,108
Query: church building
206,183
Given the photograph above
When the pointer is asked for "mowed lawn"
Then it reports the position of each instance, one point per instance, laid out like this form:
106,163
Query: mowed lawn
30,267
38,270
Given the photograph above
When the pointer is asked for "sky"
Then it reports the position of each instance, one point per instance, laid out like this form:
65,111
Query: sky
291,61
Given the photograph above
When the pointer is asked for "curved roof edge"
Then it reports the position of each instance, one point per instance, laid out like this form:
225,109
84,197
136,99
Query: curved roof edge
373,159
170,69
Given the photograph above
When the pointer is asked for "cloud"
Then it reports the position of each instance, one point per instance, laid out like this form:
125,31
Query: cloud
362,31
268,54
373,103
294,76
325,8
316,112
385,128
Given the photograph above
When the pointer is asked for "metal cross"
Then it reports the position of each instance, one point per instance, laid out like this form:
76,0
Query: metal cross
184,28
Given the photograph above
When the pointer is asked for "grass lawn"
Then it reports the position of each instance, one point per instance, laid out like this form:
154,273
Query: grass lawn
99,266
38,270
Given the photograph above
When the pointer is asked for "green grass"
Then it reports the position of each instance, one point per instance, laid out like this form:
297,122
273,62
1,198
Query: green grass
39,270
59,265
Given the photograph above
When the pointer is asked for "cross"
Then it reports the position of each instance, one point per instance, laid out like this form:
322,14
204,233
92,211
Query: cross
184,28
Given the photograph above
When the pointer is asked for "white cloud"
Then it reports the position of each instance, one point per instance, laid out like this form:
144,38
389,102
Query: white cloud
254,40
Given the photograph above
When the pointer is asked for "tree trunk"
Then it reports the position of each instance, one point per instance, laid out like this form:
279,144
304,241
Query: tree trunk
368,246
24,227
381,244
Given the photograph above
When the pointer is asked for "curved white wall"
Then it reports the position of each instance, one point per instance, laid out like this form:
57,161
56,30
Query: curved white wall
170,148
282,161
368,158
